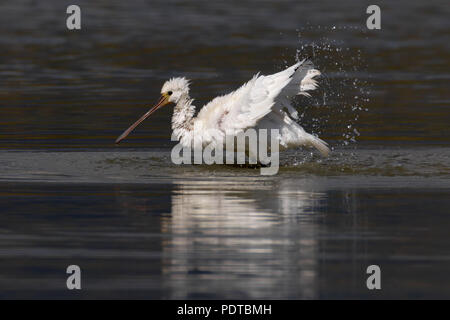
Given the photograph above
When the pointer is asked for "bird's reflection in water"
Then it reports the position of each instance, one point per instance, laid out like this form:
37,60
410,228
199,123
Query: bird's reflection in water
242,239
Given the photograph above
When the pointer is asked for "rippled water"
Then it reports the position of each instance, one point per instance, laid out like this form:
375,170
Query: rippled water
141,227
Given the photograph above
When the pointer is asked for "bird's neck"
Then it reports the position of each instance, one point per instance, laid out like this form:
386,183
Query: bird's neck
183,116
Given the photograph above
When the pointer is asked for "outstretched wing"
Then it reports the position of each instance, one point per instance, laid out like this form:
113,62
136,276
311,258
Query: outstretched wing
244,107
302,82
291,133
259,103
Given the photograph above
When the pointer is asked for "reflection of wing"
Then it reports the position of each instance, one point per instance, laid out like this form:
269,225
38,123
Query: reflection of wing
221,232
216,205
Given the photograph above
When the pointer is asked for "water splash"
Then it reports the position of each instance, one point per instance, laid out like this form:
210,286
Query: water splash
335,109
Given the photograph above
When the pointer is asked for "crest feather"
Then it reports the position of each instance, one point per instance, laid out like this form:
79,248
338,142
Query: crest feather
176,84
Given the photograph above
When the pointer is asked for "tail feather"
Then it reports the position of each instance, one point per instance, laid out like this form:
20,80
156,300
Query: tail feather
320,145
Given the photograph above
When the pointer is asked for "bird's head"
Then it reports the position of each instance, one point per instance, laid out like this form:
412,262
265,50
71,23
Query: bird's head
175,88
171,92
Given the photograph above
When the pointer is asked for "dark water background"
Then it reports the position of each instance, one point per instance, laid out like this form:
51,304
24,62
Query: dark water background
141,227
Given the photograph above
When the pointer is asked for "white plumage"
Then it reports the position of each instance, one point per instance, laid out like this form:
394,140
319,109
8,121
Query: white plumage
260,103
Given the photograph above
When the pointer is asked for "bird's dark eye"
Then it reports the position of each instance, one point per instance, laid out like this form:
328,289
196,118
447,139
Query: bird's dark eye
169,93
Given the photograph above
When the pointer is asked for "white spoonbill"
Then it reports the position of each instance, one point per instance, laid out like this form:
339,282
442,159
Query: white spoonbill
260,104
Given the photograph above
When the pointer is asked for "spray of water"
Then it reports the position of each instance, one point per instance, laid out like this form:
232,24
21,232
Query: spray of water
335,109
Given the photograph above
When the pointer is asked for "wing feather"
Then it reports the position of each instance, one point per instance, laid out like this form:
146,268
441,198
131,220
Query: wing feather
263,97
243,108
